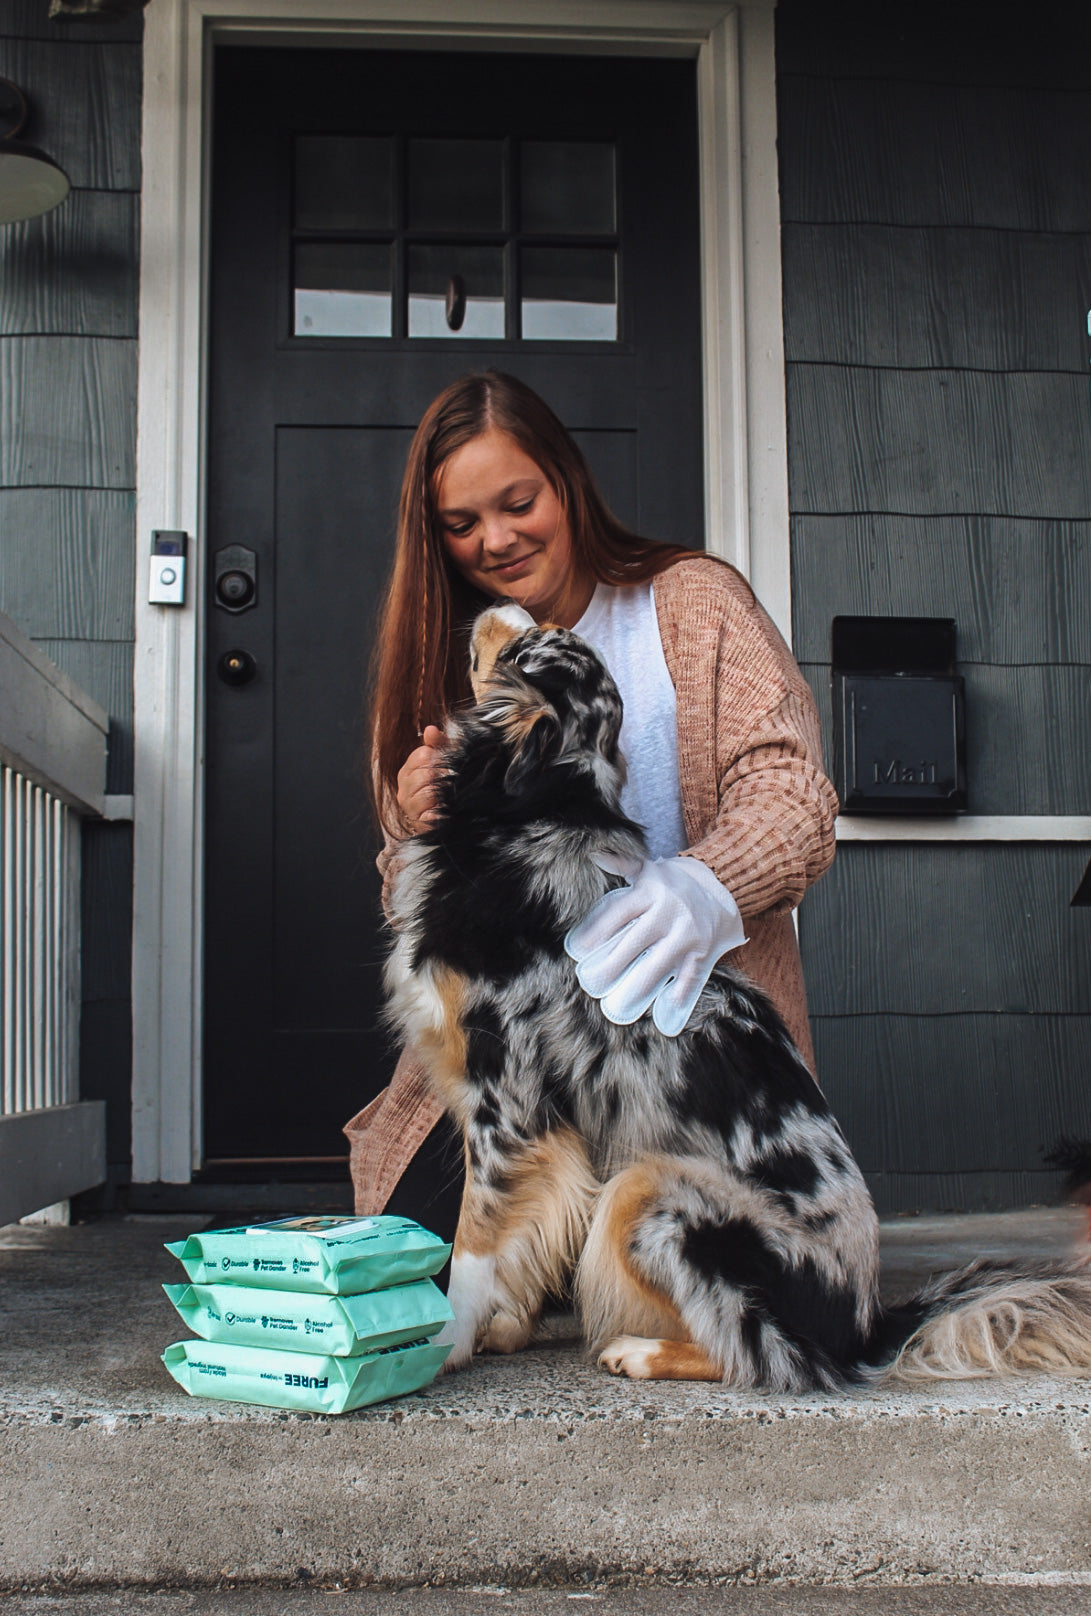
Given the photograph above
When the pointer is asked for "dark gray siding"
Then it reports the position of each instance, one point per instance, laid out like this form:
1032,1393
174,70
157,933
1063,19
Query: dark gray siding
68,327
935,168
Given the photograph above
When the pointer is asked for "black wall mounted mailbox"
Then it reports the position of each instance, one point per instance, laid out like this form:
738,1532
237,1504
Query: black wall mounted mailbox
898,716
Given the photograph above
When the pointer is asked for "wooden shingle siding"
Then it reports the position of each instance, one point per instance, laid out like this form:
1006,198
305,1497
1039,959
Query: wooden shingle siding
876,151
67,404
1013,584
30,19
915,297
74,270
939,42
938,442
1020,1076
926,930
68,365
991,1190
1018,1073
85,107
67,562
935,169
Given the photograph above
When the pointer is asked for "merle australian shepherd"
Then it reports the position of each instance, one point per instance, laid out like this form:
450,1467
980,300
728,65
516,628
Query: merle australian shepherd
697,1188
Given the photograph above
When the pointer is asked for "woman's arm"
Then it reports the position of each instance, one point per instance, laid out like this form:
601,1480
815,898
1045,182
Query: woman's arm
773,833
758,805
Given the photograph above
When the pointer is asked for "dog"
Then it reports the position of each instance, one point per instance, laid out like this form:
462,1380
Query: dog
698,1188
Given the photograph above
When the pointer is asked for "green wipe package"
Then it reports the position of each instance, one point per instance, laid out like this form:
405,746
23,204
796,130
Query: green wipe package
303,1322
309,1382
330,1256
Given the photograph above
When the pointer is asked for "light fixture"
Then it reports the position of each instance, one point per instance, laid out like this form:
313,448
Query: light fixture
30,181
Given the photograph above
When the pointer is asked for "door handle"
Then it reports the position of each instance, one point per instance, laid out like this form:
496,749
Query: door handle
236,667
456,303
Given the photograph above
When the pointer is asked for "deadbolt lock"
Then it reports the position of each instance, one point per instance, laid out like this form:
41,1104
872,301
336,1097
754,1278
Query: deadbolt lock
235,578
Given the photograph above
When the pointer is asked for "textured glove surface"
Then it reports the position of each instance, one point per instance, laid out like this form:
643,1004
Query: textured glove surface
653,942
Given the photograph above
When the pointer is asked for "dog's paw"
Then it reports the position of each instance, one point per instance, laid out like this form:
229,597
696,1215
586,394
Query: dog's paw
460,1357
505,1332
462,1347
630,1355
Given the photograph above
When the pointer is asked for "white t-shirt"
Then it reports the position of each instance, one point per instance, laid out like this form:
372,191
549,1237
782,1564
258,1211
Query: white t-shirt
621,625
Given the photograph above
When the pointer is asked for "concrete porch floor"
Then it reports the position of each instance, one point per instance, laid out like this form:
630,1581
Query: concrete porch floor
531,1470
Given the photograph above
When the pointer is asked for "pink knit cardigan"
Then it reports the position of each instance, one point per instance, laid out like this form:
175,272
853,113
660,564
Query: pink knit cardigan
758,810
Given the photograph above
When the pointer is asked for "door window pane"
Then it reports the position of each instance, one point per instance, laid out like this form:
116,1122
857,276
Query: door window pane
471,276
569,293
343,289
568,188
344,182
456,185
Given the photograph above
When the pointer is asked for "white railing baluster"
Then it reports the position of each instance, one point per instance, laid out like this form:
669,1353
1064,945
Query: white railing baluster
38,949
52,772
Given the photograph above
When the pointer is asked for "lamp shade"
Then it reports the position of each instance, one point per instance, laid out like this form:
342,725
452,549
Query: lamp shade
30,182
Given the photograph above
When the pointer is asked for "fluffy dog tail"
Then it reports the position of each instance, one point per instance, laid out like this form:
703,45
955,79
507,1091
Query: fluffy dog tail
989,1319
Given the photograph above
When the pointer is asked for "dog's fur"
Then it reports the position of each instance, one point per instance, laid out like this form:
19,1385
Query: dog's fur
698,1187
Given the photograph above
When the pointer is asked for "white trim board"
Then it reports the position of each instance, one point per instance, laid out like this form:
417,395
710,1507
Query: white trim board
967,828
51,731
746,475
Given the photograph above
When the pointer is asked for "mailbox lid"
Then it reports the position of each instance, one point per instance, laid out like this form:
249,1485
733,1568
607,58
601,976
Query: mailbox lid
901,742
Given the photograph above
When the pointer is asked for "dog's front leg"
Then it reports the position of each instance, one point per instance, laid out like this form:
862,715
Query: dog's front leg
471,1293
519,1233
472,1288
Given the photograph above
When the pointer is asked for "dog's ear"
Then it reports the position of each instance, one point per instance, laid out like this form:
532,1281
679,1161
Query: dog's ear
533,733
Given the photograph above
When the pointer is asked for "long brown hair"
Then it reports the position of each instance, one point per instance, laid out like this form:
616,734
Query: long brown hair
419,669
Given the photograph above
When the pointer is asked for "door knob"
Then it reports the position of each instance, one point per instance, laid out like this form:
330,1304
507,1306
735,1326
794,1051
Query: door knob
236,667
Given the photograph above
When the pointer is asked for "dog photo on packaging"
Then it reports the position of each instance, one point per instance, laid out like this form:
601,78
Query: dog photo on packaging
696,1189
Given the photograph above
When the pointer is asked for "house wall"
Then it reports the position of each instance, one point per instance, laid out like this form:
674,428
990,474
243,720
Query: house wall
68,326
935,167
936,206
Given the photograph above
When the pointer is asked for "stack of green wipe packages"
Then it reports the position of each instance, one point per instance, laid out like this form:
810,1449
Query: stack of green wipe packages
316,1313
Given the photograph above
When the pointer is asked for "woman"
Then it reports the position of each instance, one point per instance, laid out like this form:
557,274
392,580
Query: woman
720,734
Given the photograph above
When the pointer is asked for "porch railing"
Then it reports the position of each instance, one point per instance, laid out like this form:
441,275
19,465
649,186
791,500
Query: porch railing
52,774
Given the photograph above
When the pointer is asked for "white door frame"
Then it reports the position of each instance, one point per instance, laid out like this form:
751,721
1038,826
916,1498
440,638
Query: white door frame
745,448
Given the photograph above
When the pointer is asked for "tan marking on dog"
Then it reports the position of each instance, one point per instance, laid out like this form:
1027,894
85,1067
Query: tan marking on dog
490,636
612,1296
533,1230
443,1045
551,1187
473,1237
522,719
505,1333
643,1359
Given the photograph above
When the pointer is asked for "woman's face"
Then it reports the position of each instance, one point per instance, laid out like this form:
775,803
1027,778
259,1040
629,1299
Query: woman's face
506,531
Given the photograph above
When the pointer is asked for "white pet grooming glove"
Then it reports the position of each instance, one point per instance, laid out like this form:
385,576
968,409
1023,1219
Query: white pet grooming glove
654,942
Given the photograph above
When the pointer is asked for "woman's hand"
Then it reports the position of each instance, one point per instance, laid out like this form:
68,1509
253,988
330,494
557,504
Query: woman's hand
417,779
652,943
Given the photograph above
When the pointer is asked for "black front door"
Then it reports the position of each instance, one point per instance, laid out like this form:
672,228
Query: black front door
382,222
